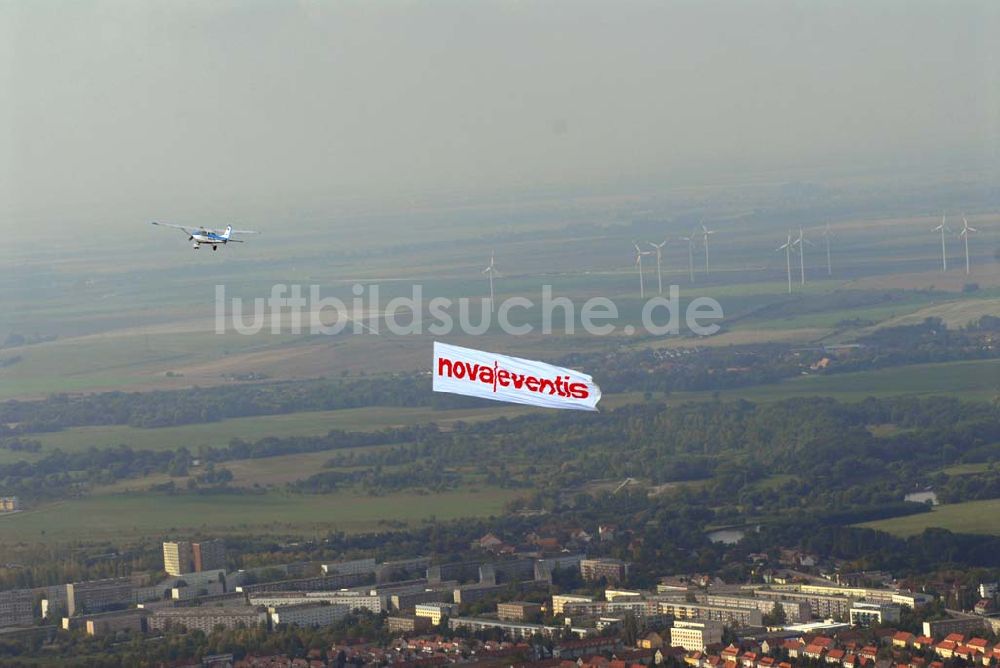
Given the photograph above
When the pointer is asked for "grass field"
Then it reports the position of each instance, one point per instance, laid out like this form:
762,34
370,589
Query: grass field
218,434
311,423
971,517
973,380
125,517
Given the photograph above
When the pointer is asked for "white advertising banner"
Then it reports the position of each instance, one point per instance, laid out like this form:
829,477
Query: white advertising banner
477,373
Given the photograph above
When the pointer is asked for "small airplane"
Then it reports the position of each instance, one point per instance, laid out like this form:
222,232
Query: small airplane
204,236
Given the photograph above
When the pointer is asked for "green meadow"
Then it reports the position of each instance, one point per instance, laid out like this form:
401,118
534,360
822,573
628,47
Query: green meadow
126,517
971,517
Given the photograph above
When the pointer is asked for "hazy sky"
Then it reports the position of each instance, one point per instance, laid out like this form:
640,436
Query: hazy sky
125,111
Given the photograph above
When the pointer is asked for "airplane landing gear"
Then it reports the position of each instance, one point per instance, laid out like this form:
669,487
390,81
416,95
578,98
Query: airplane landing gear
215,248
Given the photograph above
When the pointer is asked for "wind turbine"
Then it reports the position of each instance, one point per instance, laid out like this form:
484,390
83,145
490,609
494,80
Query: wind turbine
659,258
827,235
801,243
638,263
690,241
966,230
492,271
942,228
705,232
787,247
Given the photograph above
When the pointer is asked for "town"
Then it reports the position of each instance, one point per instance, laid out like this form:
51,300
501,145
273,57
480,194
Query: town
532,603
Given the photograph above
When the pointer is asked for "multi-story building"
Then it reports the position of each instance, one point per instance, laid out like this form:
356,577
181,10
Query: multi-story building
104,623
205,618
408,624
177,557
409,600
434,611
641,608
9,504
544,567
518,611
397,570
795,611
939,628
475,592
17,607
317,583
696,636
182,556
730,616
98,595
612,571
353,601
820,605
190,592
463,571
560,600
208,555
308,614
867,614
354,567
514,629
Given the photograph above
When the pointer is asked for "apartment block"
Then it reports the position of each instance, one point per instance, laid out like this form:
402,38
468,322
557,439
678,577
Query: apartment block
208,555
351,600
182,556
939,628
107,623
407,624
354,567
796,612
177,557
205,618
17,607
518,611
98,595
317,583
435,611
308,614
867,614
560,600
464,571
612,571
729,616
820,605
397,570
410,600
696,636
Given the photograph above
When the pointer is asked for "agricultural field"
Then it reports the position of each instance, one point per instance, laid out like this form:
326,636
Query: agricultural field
122,518
972,380
981,517
218,434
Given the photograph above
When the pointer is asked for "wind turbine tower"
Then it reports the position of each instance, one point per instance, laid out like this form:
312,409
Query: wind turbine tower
638,263
491,270
942,228
705,232
827,235
659,260
787,247
690,242
966,231
801,243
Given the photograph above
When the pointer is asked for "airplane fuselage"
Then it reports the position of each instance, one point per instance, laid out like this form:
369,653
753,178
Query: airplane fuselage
207,238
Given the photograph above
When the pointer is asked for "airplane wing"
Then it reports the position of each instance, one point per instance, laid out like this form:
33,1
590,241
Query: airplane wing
222,231
176,227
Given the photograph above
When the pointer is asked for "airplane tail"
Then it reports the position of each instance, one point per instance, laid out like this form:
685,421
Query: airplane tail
228,232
